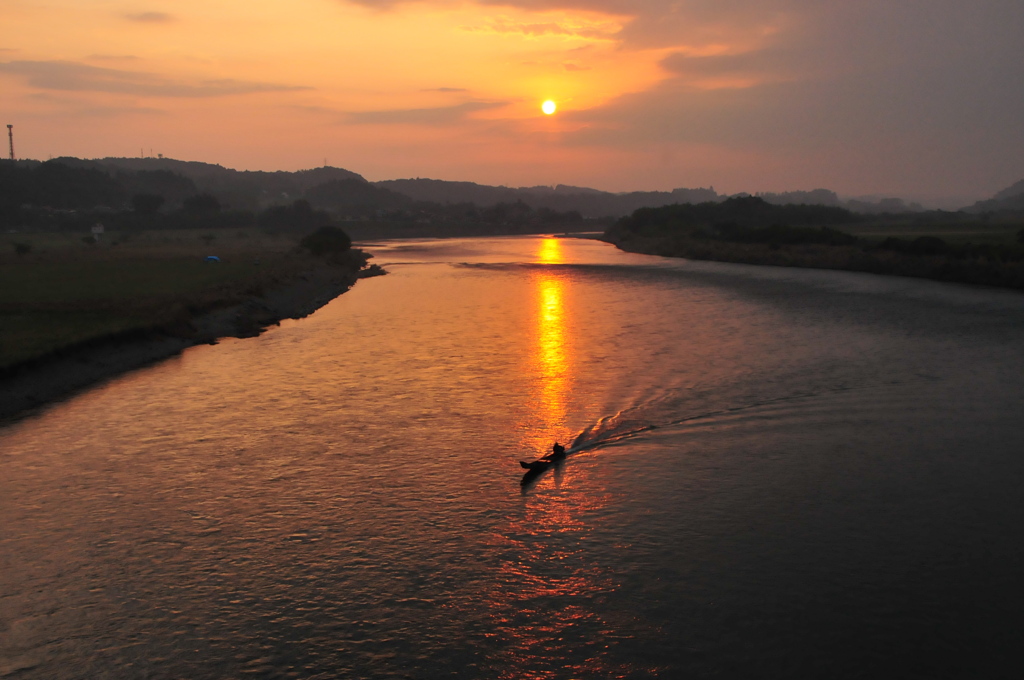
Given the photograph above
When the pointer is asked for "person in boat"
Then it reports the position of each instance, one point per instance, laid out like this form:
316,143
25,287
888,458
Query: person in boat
557,453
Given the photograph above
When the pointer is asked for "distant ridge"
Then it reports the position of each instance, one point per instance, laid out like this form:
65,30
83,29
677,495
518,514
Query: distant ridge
198,170
1010,198
588,202
595,203
349,192
1010,192
241,189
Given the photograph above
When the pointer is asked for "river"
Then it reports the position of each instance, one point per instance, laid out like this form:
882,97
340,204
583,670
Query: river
774,473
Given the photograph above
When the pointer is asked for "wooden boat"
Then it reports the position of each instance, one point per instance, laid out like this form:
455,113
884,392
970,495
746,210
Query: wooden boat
535,468
539,465
532,473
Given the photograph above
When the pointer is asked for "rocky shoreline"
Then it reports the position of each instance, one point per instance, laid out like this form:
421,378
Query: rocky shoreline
32,386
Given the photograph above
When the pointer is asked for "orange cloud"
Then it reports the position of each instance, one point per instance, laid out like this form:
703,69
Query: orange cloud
73,76
594,30
150,17
441,115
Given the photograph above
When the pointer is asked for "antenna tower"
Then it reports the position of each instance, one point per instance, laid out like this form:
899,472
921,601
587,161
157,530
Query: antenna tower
10,139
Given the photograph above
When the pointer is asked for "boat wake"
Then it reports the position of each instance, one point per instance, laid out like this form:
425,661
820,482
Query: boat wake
681,407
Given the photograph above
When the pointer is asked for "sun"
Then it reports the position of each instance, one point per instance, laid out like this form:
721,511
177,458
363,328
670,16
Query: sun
548,107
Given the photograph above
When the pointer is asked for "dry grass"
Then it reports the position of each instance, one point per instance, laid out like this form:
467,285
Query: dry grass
65,292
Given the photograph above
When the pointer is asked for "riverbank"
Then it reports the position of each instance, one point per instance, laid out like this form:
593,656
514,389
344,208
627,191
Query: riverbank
748,230
978,270
225,312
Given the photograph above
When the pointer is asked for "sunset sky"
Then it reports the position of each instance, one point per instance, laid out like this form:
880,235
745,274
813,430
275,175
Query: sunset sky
913,98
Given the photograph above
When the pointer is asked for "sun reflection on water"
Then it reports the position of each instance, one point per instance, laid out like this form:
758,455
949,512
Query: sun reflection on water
550,251
552,354
544,559
552,351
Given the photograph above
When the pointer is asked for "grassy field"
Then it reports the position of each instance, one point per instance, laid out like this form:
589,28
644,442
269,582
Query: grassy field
65,292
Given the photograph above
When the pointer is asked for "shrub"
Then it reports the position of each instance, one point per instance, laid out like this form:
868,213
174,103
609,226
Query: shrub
326,240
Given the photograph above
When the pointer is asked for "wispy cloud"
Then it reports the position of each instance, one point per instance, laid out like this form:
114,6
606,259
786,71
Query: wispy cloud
581,28
78,105
445,89
72,76
684,64
442,115
744,69
113,57
117,111
377,4
569,66
150,17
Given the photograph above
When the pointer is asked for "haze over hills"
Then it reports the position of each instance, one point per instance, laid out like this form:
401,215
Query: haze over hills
348,193
588,202
240,189
1011,198
596,203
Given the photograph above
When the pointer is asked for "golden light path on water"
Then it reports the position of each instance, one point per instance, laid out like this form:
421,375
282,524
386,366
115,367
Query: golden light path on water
553,354
540,570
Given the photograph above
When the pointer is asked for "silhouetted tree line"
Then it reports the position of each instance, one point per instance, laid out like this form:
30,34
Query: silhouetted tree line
745,218
241,189
68,194
355,197
297,216
466,219
752,220
55,186
519,213
752,231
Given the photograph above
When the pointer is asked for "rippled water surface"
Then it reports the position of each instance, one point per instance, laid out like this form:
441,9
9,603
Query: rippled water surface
775,473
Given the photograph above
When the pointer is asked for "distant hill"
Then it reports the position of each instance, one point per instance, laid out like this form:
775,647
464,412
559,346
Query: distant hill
1010,192
354,196
1009,199
814,197
561,198
28,190
71,194
594,203
240,189
348,194
55,185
